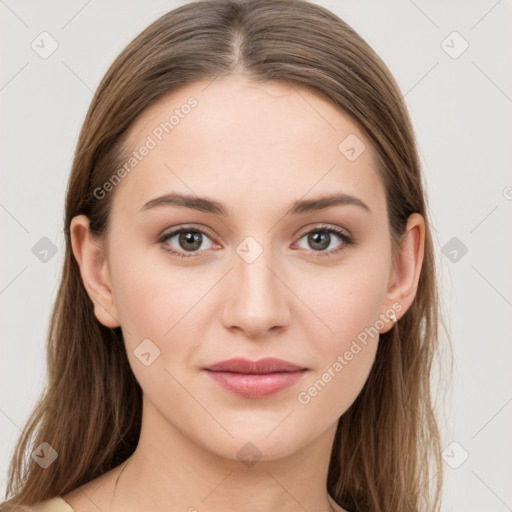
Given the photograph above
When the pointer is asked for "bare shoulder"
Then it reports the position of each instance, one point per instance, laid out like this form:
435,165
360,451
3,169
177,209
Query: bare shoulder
14,507
335,506
55,504
94,495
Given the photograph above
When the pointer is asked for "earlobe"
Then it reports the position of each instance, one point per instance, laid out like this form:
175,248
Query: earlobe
90,256
407,270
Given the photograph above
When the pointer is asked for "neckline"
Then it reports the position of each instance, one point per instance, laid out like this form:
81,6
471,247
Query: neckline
71,509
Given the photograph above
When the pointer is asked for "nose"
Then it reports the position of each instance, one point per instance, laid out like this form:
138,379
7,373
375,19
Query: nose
257,296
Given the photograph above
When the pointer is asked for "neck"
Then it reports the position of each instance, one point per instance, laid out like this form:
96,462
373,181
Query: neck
168,468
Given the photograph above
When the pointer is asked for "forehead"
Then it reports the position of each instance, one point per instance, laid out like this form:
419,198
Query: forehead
247,143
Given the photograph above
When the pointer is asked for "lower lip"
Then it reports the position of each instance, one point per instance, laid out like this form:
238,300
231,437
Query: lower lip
254,385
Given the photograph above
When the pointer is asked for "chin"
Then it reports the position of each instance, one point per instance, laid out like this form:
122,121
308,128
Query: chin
263,443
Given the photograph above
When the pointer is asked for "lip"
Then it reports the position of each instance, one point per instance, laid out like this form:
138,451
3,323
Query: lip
255,379
266,365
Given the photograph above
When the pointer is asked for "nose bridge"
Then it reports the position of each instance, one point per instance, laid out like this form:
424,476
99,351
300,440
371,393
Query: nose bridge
258,300
254,258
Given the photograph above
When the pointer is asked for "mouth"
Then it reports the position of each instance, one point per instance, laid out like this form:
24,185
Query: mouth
263,366
255,379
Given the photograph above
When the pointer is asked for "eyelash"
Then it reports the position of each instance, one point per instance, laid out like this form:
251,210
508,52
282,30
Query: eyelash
346,239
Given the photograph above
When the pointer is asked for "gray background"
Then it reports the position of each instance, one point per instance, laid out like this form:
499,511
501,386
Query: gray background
460,104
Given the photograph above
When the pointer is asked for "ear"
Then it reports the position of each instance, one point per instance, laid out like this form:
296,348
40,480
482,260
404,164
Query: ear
405,275
90,255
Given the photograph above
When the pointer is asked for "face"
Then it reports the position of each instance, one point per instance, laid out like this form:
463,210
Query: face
262,271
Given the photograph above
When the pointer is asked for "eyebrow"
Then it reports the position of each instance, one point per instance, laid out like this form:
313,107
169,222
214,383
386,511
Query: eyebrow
207,205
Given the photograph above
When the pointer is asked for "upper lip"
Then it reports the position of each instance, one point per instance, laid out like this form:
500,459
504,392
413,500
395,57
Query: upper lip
267,365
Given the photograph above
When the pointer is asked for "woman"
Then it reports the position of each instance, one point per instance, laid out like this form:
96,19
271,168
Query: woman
248,310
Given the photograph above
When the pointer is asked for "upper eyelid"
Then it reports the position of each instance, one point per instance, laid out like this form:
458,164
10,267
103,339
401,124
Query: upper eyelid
318,227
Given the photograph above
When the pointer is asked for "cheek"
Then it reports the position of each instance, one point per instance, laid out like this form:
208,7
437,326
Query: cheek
154,304
332,391
348,299
150,295
349,302
345,354
164,305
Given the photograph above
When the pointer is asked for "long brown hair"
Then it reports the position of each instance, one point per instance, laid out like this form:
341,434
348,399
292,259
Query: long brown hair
387,445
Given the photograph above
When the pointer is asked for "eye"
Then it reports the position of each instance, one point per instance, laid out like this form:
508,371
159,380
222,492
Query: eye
321,238
188,240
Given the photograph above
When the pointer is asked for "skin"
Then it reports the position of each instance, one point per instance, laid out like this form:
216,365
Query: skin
256,148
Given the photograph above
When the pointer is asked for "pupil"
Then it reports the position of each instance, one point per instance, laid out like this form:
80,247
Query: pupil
319,238
189,238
